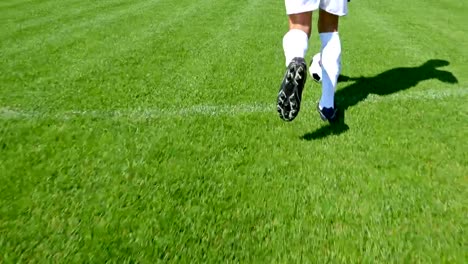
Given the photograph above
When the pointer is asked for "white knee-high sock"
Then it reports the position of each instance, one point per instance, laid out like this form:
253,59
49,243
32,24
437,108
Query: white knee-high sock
295,44
331,66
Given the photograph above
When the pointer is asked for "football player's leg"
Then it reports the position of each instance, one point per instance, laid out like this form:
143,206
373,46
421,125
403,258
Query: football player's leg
295,44
330,11
331,56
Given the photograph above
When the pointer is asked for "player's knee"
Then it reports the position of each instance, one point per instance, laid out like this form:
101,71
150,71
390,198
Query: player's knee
304,28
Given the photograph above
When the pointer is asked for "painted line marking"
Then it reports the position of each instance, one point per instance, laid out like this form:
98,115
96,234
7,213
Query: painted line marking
7,112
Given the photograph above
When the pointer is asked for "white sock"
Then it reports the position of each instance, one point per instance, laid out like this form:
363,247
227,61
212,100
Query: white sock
295,44
331,66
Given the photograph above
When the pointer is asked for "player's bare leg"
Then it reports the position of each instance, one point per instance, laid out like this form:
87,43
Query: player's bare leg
301,21
327,22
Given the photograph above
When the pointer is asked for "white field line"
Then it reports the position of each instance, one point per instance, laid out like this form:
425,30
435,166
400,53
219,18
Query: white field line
206,110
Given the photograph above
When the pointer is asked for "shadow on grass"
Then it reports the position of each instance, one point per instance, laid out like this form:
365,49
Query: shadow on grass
386,83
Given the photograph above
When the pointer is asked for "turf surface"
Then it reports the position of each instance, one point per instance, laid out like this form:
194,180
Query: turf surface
138,131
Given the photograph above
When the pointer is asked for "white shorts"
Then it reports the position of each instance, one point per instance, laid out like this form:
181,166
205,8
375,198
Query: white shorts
336,7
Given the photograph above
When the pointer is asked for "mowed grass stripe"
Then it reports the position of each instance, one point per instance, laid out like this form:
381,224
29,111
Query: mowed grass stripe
58,16
216,66
385,29
15,4
404,32
100,51
36,10
147,45
77,30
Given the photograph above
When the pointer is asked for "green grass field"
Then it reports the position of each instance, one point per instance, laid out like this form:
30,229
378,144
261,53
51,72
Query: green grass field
145,131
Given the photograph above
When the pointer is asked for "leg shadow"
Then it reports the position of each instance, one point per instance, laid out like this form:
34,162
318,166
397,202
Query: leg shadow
386,83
